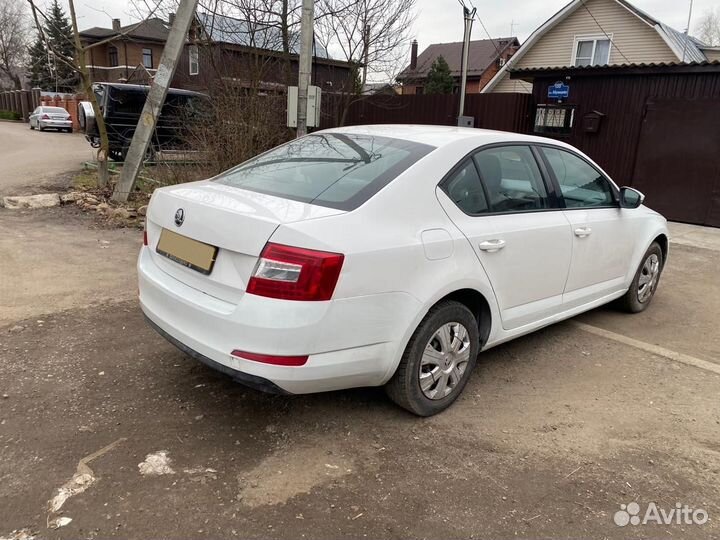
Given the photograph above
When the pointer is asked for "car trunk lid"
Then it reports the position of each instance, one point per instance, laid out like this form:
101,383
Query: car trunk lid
238,222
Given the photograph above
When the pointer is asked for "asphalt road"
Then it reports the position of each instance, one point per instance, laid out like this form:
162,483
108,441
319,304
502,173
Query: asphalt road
552,434
37,162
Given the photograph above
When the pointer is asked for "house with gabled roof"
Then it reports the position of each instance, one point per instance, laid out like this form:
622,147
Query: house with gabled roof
485,58
219,50
599,33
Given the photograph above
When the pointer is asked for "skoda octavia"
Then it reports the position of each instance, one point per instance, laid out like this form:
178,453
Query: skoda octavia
390,255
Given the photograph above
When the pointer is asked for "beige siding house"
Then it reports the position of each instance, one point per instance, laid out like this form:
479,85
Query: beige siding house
599,32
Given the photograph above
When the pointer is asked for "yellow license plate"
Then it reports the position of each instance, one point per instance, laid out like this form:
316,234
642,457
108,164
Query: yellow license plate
190,253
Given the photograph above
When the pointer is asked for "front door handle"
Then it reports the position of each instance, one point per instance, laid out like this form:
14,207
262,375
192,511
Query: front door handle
492,245
582,232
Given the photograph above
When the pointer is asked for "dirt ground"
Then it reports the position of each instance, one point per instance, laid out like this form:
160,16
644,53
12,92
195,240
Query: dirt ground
552,434
23,173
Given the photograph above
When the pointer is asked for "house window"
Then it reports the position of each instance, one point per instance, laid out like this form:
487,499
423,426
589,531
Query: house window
147,58
591,51
554,119
112,56
194,60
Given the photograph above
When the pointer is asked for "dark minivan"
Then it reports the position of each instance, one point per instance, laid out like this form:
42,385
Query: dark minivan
121,105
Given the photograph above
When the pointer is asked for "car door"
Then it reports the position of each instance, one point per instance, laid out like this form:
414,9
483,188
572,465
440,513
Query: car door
33,117
602,240
497,197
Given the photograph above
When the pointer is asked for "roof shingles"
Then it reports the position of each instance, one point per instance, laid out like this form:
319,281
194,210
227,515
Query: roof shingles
482,53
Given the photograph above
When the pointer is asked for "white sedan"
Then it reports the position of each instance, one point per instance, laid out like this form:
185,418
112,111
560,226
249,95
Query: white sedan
390,255
46,117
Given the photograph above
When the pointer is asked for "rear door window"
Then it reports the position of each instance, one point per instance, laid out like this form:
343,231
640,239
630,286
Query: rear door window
512,179
337,170
465,189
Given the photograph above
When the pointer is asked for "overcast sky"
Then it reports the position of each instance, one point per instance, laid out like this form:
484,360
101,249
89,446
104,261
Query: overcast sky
441,20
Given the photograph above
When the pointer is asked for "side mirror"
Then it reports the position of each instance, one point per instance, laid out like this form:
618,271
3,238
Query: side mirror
630,198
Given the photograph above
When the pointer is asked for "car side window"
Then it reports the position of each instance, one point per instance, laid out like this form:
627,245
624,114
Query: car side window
512,179
581,185
465,189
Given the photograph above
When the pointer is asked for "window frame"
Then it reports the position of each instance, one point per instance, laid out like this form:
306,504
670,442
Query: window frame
555,203
556,184
113,56
193,51
594,38
152,64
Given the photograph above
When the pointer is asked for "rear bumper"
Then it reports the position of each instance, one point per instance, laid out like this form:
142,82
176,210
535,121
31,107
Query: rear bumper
61,124
258,383
350,342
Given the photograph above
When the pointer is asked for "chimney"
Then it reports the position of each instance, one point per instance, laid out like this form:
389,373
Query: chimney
171,18
413,54
116,25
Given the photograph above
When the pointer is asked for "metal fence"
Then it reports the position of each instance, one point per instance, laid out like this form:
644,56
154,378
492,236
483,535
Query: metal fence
506,112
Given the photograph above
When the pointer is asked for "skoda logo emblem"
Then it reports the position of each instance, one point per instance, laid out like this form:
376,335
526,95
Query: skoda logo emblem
179,216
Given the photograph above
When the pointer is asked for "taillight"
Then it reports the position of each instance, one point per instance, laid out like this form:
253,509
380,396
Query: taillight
270,359
292,273
68,118
45,117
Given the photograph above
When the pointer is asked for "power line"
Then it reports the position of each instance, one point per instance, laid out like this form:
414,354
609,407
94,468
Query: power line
492,40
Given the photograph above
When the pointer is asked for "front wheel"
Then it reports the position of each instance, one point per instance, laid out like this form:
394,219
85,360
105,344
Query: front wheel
644,284
438,360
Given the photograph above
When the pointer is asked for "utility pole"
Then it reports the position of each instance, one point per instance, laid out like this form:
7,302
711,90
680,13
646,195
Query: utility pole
687,31
155,99
305,65
469,17
366,52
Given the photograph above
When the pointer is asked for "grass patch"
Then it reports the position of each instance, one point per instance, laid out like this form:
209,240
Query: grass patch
85,180
10,115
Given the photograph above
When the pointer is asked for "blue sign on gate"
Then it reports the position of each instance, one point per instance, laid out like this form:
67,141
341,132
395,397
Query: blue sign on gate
559,90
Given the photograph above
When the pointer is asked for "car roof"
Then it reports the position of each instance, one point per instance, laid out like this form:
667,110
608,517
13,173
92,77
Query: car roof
439,136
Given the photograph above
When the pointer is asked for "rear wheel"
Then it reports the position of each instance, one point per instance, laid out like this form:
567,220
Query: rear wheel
438,360
644,284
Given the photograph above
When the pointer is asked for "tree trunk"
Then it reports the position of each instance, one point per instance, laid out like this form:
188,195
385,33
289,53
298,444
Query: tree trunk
104,150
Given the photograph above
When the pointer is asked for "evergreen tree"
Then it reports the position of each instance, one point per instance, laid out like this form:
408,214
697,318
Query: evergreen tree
38,70
439,79
60,35
44,69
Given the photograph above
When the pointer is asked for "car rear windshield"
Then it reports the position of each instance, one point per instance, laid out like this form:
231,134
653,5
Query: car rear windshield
55,110
337,170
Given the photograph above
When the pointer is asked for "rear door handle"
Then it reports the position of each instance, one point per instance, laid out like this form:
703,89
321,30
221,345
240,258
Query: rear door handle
582,232
492,245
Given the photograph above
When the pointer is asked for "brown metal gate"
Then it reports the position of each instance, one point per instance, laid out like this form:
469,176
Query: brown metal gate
678,159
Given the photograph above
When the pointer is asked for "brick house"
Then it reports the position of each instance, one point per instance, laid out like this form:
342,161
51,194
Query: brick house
485,58
219,50
129,53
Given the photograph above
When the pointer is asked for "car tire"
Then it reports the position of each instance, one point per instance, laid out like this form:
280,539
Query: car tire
31,127
40,127
421,386
645,283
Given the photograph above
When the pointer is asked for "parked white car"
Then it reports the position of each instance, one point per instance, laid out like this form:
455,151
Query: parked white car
45,117
390,255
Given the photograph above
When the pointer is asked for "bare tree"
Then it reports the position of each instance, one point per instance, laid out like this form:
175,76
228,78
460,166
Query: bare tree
708,28
14,40
78,64
370,34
